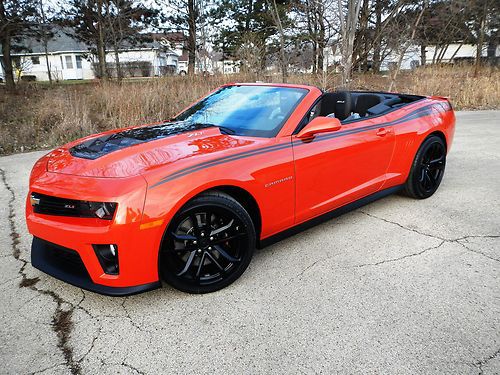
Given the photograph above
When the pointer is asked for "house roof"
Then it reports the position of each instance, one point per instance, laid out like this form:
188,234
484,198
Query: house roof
60,42
176,37
63,41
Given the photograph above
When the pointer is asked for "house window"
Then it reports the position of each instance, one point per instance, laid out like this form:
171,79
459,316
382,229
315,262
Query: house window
78,61
69,62
35,60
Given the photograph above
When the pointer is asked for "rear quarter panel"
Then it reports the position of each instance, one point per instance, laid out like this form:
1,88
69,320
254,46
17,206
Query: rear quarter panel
427,116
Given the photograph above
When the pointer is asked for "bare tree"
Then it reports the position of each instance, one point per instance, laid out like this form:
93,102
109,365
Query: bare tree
480,38
17,20
348,15
101,47
279,25
45,36
185,16
251,53
405,41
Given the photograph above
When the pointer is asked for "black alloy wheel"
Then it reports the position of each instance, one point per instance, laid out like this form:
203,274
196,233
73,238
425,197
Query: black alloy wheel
208,244
427,169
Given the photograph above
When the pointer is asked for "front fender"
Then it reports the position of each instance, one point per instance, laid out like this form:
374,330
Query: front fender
268,178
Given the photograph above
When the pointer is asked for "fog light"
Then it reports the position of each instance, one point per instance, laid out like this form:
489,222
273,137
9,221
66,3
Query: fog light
108,258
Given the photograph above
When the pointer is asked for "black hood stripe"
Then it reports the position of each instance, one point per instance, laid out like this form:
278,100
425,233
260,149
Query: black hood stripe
418,113
100,146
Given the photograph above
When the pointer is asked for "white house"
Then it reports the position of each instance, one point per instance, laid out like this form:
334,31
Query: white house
70,59
207,61
454,53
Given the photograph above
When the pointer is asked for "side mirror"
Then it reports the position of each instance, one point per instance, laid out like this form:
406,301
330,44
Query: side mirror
319,125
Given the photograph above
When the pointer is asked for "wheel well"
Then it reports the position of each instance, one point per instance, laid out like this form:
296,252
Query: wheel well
441,135
246,200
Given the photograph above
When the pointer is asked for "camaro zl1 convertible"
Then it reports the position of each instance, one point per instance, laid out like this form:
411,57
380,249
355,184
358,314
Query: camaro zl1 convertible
187,201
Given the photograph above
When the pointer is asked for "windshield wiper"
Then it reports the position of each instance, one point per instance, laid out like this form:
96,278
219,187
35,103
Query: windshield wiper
225,130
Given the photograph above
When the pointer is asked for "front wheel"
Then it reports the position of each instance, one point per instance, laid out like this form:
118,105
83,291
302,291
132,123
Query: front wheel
208,244
427,169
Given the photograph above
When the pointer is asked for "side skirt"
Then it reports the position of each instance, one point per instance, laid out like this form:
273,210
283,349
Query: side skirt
327,216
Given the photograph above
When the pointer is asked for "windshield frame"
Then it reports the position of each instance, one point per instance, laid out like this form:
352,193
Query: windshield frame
249,132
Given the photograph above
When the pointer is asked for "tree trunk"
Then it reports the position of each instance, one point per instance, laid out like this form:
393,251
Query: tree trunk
480,42
248,15
348,26
315,57
119,73
456,51
423,55
279,25
362,57
444,49
45,41
7,63
49,72
377,47
321,39
405,47
6,42
101,50
191,36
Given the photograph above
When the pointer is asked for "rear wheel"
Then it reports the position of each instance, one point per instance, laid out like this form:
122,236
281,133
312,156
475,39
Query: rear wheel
208,244
427,169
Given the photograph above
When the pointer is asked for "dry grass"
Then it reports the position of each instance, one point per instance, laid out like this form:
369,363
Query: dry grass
39,116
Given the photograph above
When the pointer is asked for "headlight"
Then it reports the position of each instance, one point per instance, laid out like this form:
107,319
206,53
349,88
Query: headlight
103,210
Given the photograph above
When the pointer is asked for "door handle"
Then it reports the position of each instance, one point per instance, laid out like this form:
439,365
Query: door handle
382,132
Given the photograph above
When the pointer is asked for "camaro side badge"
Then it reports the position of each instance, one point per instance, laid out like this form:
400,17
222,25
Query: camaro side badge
278,181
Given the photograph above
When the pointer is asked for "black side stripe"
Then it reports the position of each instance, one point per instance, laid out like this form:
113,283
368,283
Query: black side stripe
420,112
222,160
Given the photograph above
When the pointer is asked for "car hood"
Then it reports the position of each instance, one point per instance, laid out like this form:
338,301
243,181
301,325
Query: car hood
137,150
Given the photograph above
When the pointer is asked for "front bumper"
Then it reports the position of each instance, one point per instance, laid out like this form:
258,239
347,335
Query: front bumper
67,265
137,244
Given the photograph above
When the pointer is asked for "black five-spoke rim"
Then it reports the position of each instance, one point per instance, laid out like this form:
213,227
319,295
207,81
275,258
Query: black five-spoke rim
206,244
432,167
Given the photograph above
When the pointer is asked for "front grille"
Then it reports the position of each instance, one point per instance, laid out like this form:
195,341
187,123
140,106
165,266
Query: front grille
49,205
45,204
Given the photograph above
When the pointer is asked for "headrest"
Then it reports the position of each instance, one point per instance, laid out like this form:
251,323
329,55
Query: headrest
338,103
365,102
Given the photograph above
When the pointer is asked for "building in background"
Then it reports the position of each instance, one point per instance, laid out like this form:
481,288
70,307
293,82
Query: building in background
70,59
453,53
207,61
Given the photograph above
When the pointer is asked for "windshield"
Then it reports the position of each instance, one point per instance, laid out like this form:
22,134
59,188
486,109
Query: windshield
258,111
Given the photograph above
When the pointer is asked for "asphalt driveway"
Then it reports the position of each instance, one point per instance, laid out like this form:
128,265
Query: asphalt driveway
398,286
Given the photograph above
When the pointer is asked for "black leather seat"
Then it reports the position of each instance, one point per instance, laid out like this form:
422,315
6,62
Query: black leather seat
364,102
339,103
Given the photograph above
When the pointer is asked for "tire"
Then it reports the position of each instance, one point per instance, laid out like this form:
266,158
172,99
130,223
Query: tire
427,169
208,244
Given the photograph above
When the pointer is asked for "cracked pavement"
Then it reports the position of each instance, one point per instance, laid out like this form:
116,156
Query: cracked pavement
397,287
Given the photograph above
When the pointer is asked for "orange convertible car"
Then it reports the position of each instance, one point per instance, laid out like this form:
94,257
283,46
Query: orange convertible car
187,201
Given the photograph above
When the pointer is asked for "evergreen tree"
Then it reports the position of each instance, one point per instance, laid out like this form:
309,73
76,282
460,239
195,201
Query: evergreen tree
17,21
